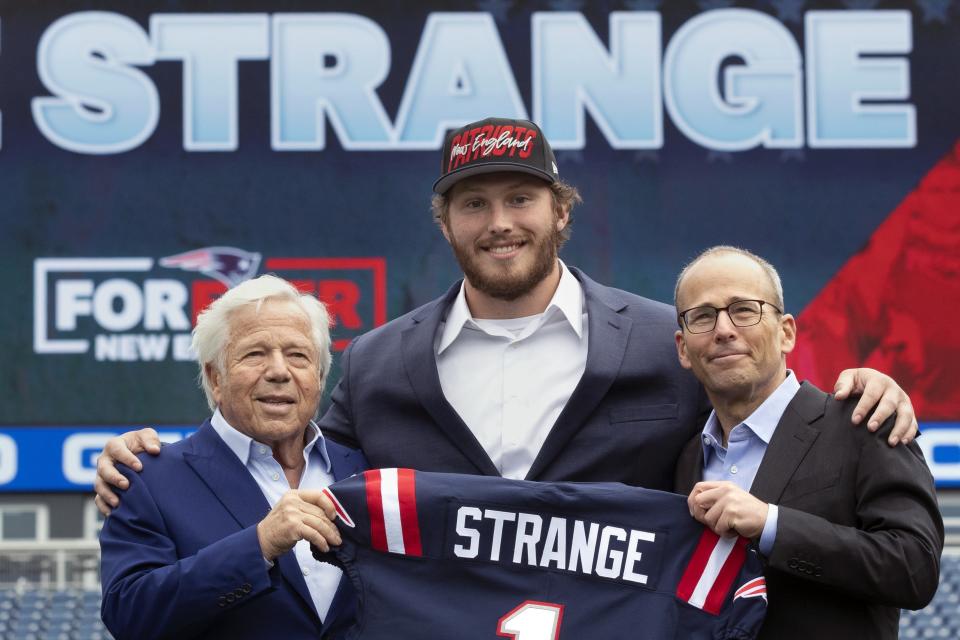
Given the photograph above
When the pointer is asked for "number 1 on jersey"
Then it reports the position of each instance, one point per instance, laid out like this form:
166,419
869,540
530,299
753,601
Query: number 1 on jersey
532,620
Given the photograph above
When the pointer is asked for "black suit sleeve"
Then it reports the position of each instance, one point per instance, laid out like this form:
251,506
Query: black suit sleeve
890,553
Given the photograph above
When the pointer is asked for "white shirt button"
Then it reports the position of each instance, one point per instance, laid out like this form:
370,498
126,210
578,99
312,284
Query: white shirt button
263,449
306,572
275,476
733,469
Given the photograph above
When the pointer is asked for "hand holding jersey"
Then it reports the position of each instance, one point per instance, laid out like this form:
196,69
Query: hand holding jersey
299,515
727,509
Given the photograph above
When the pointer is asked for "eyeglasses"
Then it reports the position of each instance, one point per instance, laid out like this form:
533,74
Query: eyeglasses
742,313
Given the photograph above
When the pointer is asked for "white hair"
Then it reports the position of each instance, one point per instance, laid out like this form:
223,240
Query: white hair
212,333
768,269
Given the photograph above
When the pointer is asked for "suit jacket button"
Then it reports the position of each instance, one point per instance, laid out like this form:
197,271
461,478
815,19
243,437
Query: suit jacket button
793,563
239,592
221,601
247,588
230,597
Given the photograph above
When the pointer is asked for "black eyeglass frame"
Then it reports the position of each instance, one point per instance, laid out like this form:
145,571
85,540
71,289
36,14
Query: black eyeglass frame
682,320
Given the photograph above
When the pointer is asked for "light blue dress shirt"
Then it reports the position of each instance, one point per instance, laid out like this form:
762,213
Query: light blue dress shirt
322,579
739,461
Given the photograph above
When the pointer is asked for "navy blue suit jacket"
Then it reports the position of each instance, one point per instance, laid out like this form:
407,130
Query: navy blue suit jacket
181,559
627,420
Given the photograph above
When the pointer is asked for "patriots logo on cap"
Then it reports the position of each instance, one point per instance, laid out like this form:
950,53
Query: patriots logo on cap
229,265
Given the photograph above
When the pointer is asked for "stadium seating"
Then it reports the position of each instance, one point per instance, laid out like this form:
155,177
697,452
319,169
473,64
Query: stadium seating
74,614
49,614
941,618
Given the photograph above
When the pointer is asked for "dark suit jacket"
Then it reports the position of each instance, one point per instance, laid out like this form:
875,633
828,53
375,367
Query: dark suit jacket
181,559
627,420
859,533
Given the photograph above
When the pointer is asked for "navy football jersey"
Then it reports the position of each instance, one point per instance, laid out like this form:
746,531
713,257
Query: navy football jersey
446,556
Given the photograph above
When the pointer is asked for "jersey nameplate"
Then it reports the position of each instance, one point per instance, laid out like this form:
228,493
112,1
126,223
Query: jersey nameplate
522,538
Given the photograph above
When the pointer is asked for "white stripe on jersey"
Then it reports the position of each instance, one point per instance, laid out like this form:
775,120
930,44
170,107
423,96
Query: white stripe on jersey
390,494
710,572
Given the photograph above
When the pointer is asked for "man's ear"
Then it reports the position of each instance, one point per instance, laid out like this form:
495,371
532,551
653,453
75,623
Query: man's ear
563,217
444,230
788,333
681,349
212,374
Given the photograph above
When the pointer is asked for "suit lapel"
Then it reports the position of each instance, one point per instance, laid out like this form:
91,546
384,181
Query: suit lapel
790,443
221,470
689,466
344,461
420,363
608,334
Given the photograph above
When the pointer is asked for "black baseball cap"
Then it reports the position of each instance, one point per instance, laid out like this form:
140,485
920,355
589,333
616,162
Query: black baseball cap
495,144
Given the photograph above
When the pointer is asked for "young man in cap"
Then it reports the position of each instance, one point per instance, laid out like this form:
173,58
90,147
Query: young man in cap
526,368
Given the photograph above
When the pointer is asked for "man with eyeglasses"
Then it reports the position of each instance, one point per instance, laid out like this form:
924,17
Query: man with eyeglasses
849,528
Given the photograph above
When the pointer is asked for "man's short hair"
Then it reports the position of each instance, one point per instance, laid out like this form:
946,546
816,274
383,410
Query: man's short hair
212,333
768,269
565,196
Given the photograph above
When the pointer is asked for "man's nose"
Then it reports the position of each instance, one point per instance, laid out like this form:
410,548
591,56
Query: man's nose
725,329
277,367
501,221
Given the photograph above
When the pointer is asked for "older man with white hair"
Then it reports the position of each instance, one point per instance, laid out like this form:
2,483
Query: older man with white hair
213,537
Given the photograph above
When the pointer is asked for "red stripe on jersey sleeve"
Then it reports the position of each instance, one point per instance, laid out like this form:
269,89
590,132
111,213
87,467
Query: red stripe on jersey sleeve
407,494
378,529
698,562
728,573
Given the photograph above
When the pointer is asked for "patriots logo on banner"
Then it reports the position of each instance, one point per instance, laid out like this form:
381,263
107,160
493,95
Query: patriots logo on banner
756,588
229,265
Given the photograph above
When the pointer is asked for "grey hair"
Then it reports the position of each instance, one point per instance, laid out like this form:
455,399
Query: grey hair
212,333
768,269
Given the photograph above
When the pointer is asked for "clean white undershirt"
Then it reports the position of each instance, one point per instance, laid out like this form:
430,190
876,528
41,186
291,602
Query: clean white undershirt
322,579
510,379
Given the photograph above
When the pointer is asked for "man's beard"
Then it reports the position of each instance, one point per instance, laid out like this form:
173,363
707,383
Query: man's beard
502,283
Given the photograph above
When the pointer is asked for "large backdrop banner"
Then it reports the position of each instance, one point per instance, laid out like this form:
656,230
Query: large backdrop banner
154,153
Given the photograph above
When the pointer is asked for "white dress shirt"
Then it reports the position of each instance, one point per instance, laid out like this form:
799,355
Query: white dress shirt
322,579
510,379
